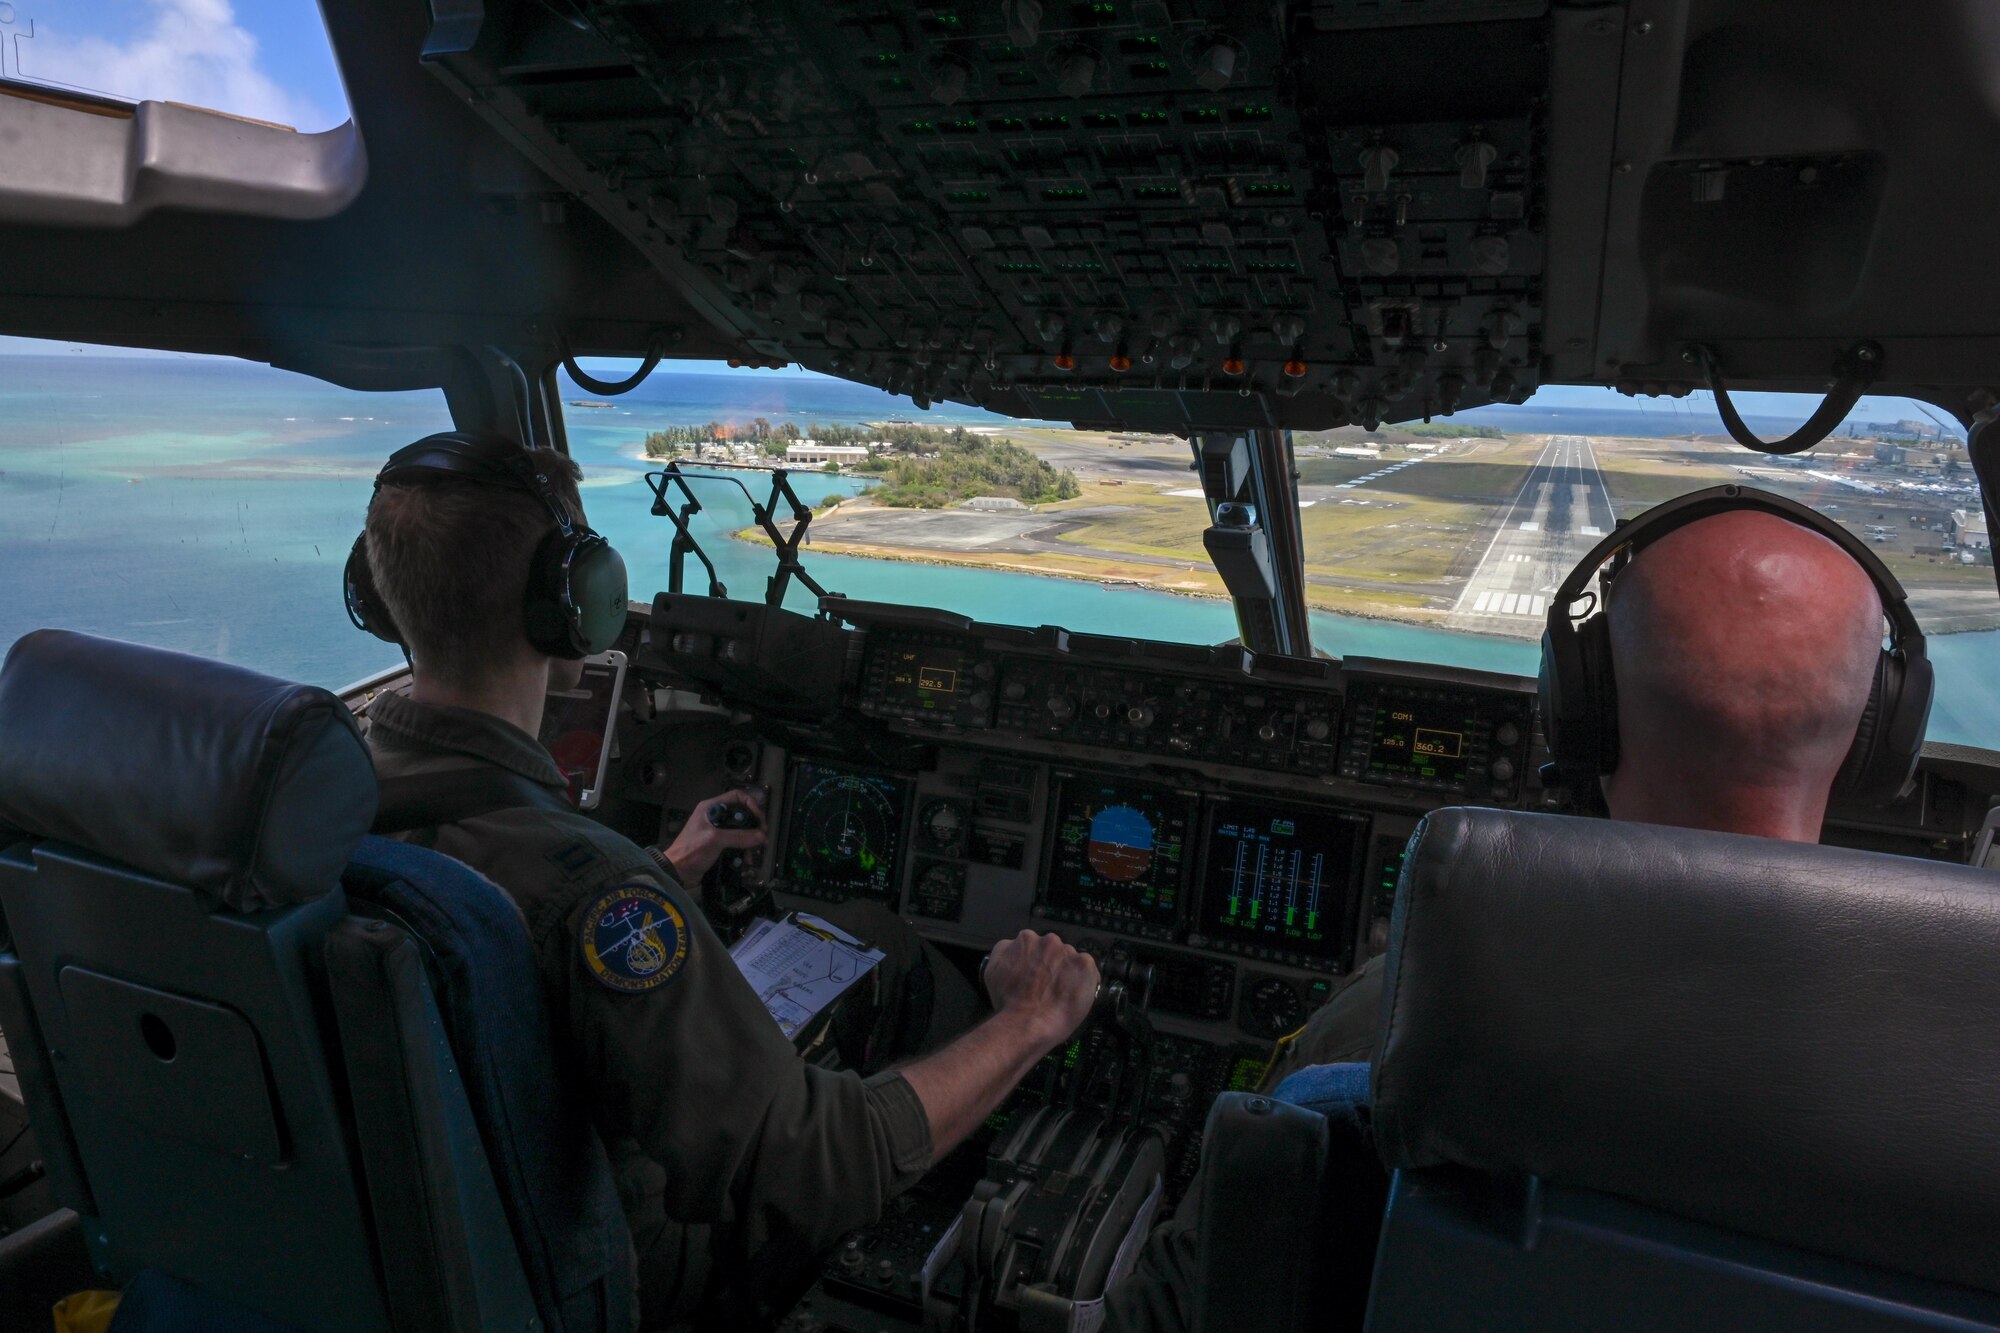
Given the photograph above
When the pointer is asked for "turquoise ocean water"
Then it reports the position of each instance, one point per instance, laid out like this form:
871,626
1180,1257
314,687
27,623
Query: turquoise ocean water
207,506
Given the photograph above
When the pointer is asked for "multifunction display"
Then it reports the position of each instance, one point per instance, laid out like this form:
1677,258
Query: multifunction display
1434,737
843,832
1278,880
1118,855
927,677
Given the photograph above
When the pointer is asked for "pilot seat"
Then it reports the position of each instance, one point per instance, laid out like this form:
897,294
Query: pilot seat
1645,1078
283,1073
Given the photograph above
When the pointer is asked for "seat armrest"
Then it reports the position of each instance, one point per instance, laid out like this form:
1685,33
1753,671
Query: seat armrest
1259,1246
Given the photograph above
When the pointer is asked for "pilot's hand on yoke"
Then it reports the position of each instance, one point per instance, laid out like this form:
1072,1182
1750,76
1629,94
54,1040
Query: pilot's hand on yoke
1044,981
701,841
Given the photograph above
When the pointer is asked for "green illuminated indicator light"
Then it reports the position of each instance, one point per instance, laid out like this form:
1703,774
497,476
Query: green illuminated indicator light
1157,192
947,19
1252,113
899,83
1269,190
1207,115
1066,194
1098,120
1104,9
1205,266
1081,266
1152,69
1150,118
1005,123
921,127
969,197
962,126
1051,122
1020,266
1136,46
885,60
1253,909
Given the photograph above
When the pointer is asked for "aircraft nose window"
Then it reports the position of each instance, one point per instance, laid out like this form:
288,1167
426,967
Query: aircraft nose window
267,60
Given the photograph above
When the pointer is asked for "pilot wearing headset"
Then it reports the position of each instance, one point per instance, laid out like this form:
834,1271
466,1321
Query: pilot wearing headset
736,1160
1730,674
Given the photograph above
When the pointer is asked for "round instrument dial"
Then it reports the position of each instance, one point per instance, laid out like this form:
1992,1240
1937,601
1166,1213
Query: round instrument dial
1272,1007
941,825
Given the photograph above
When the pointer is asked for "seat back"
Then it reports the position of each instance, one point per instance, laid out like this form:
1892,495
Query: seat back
237,1082
1642,1077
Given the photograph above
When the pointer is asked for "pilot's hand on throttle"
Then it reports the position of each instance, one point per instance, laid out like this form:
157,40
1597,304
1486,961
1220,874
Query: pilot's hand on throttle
701,844
1043,981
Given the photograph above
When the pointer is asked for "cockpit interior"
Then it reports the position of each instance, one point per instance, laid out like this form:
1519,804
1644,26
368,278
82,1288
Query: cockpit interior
1632,1076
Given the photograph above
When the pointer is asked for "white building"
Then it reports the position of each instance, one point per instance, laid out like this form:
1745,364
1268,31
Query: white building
811,452
1968,530
993,502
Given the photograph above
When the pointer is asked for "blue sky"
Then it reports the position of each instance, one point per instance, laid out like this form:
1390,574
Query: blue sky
268,59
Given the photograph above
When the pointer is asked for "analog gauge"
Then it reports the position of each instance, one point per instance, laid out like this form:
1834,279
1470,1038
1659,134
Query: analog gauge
1272,1007
941,825
938,891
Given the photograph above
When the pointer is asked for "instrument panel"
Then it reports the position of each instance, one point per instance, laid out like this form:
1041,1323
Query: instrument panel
1217,815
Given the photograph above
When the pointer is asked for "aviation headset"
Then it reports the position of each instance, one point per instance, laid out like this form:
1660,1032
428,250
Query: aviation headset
1580,697
576,581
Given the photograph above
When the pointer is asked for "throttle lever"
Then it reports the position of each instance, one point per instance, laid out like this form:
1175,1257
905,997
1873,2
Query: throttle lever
1117,978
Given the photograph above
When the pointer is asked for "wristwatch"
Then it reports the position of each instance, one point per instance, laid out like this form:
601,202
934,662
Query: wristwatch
660,859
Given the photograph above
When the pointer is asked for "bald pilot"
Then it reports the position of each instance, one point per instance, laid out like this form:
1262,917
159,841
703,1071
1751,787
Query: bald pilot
1744,648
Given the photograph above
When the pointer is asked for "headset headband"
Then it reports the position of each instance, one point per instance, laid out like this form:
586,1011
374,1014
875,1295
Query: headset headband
1661,519
463,456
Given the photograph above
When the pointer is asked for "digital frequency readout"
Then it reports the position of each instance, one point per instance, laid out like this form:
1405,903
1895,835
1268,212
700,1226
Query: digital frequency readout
1420,741
1119,853
925,678
1279,877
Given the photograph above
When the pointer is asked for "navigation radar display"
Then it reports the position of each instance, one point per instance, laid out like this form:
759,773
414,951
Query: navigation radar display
843,832
1118,855
1278,881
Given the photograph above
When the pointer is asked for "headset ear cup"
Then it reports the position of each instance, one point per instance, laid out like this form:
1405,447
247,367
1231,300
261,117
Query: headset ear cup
550,625
1569,714
597,593
364,601
1889,739
1593,643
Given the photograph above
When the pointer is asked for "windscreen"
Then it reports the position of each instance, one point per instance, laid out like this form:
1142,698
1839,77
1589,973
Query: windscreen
206,505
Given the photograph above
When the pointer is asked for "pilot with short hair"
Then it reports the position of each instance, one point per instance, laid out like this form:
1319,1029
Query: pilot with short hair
1744,648
736,1160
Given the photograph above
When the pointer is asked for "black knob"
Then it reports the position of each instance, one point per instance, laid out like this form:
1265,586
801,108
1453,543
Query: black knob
1061,707
1100,710
1138,715
1014,690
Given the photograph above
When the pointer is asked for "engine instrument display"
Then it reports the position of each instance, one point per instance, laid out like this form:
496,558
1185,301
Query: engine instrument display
1278,881
843,831
1117,855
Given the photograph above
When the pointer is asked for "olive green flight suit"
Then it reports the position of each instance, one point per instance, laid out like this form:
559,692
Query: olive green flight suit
736,1160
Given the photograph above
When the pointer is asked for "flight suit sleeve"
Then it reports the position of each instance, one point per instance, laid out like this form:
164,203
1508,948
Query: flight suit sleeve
683,1056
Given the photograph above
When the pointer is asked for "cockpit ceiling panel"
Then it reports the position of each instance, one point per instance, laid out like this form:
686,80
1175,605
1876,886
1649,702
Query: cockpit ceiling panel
1167,215
1158,213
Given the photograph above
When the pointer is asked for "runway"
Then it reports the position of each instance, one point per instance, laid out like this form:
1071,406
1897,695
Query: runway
1561,511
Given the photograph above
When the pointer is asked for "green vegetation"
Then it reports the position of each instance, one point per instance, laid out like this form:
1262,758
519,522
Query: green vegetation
771,439
1445,430
921,467
965,465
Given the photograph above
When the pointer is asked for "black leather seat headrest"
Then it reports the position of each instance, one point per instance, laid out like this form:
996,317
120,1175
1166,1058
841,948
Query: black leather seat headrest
1795,1041
251,790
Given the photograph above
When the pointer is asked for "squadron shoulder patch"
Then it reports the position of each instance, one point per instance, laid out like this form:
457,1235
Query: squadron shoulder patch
634,939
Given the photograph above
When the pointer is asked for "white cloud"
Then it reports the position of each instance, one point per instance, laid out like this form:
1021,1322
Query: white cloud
191,51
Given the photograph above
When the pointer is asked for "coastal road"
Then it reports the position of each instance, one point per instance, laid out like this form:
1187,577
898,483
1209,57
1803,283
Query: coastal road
1561,511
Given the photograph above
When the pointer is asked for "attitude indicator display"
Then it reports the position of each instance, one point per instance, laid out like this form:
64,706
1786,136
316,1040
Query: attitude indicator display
1278,881
844,831
1118,855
